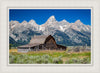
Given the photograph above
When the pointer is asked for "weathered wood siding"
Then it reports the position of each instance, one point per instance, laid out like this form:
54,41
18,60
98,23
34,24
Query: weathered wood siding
60,47
51,44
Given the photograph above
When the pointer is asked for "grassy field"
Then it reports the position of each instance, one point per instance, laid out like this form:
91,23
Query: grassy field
49,57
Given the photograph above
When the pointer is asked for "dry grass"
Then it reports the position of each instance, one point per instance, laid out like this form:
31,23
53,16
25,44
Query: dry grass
12,50
46,51
36,52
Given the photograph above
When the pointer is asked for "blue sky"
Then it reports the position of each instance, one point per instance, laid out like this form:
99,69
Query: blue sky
41,15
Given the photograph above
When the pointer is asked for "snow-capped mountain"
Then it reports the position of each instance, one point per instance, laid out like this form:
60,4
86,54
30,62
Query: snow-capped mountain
64,32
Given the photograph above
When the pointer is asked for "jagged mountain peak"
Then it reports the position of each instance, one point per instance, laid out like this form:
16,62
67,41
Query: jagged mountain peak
63,21
32,22
51,19
78,21
24,22
14,21
13,24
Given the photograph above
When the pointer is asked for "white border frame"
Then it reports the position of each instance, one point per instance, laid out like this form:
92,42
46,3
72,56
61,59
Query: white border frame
95,68
53,64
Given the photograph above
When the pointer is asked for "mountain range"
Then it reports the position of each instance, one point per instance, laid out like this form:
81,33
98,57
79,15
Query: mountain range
65,33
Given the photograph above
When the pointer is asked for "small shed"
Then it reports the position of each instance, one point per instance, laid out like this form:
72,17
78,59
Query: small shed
42,42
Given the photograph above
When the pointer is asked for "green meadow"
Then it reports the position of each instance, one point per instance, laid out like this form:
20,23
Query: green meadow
49,57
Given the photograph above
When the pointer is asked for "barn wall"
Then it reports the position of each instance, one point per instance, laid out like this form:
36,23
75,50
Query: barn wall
25,49
60,47
51,44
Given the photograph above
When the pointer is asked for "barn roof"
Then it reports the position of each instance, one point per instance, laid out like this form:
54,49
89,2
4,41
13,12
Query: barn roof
39,39
29,45
36,40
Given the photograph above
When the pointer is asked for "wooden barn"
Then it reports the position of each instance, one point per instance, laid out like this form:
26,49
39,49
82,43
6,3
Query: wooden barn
43,42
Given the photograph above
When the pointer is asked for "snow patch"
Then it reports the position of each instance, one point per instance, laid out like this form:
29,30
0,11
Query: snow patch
61,28
42,28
